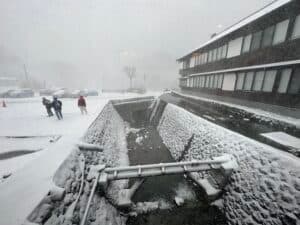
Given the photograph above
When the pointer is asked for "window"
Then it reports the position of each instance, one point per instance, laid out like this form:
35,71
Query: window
202,81
269,80
268,36
296,30
206,81
204,60
229,82
197,60
212,81
200,59
256,40
284,80
240,81
258,80
224,51
234,47
214,55
295,82
280,32
210,55
215,85
247,43
186,64
193,61
248,81
220,52
220,81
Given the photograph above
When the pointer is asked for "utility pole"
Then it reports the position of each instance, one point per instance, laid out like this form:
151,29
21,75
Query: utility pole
26,76
25,72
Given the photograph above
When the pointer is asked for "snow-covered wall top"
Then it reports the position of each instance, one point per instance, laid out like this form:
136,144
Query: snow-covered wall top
266,187
108,130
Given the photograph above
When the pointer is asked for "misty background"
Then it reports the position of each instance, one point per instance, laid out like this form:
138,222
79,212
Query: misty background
86,44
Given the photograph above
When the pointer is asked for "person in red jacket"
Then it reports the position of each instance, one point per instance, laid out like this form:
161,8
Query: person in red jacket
82,105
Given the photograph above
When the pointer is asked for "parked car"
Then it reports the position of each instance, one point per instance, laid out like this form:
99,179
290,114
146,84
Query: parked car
5,94
77,93
21,93
92,93
63,93
46,92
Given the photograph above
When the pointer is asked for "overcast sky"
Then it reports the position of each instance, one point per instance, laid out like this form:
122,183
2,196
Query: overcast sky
86,43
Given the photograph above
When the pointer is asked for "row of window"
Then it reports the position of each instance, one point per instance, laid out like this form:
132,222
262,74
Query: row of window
259,81
272,35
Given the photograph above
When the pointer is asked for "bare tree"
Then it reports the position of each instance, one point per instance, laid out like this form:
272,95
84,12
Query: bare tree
130,72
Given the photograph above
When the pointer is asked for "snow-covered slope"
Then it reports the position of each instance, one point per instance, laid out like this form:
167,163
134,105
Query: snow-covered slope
266,187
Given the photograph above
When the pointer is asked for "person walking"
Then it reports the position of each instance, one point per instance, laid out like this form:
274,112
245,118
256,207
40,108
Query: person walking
47,103
82,105
57,105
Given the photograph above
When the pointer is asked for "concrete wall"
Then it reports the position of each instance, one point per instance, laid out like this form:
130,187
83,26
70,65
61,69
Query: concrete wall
266,187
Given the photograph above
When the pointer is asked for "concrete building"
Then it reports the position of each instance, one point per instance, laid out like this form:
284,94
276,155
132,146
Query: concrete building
257,59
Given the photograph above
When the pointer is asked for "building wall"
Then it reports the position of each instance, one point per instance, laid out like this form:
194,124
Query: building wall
273,38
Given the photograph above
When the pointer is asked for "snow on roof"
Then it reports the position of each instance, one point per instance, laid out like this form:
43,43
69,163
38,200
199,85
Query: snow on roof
263,11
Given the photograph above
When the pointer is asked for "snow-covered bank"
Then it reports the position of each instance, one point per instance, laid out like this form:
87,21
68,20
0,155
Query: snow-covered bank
109,131
259,113
23,191
266,187
34,173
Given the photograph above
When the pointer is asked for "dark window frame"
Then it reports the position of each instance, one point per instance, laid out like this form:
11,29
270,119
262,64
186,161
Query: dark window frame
272,38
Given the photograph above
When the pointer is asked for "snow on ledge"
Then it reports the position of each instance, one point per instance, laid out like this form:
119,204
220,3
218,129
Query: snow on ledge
283,139
259,112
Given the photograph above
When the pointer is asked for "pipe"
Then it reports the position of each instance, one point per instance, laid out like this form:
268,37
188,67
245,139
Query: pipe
70,210
86,212
173,164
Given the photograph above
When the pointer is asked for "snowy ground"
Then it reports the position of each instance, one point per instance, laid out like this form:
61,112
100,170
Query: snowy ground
33,172
28,117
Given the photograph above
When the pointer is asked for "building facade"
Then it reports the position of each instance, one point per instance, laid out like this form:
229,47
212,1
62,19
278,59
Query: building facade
257,58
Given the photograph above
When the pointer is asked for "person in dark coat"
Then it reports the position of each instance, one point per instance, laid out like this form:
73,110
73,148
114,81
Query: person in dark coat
47,103
82,105
57,106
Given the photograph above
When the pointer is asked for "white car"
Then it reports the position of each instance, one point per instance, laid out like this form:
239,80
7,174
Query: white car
21,93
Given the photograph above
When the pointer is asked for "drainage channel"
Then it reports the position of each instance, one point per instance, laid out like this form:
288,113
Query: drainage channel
145,146
234,119
158,200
